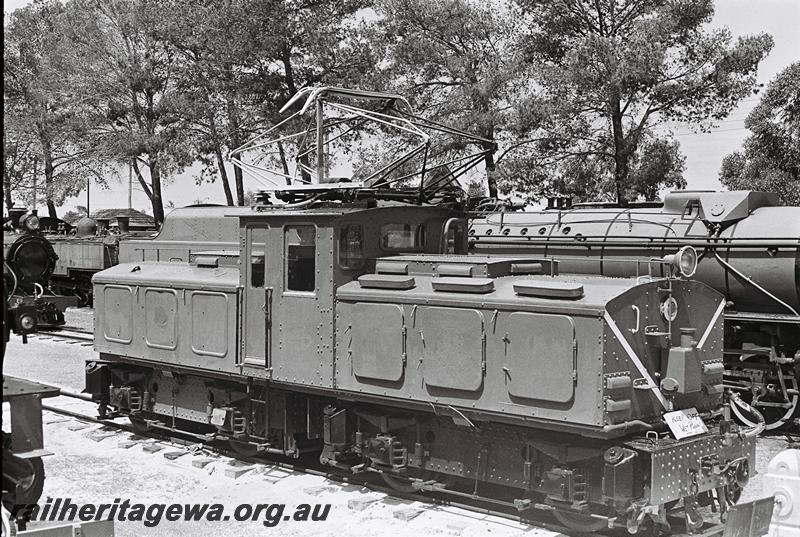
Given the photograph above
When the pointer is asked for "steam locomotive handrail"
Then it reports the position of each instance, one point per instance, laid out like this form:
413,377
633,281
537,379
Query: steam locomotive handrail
642,242
731,268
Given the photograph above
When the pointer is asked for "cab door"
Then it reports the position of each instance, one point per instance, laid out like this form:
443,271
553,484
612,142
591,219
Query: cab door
257,298
302,312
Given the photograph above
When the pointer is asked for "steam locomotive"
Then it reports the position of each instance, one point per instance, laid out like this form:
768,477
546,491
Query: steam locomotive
750,252
28,264
350,324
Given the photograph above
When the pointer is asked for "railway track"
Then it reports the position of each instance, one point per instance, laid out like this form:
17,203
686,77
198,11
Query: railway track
72,335
369,480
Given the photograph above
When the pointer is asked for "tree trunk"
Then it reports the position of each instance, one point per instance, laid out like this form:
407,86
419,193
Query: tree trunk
621,154
284,163
7,190
226,186
49,170
236,141
491,179
155,200
221,162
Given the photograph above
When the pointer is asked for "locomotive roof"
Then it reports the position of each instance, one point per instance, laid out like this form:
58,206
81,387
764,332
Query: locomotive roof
598,291
332,209
185,275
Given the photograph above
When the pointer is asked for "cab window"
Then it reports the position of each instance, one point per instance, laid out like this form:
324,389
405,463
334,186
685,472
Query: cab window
351,247
300,258
403,237
258,241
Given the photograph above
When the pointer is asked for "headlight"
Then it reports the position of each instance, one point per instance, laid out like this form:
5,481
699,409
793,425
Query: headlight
30,222
685,261
669,309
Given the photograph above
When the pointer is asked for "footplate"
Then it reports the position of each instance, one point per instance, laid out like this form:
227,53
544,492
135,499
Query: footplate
680,468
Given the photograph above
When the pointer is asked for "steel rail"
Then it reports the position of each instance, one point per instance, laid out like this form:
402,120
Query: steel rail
434,497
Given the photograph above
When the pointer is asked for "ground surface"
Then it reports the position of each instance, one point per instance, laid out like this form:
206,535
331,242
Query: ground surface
91,465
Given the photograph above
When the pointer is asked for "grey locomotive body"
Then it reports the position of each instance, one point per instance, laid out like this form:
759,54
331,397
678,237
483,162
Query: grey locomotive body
362,331
750,252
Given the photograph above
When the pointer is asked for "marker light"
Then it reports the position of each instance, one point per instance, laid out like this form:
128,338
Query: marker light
684,261
669,309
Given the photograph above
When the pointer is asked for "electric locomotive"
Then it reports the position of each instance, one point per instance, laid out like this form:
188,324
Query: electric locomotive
344,328
749,250
351,325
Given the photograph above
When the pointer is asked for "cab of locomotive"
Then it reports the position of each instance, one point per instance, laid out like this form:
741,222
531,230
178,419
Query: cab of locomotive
293,261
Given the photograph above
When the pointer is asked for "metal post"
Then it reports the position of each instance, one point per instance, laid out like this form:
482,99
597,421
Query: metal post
320,144
130,186
35,165
88,208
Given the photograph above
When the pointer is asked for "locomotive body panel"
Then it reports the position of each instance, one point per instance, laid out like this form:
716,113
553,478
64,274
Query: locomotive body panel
185,231
527,357
79,254
176,314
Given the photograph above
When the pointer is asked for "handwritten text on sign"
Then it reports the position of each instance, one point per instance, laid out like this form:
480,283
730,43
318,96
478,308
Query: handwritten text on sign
685,423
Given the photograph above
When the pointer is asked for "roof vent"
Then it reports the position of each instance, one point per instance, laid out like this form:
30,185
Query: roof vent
387,281
526,268
207,261
391,267
548,289
463,285
454,269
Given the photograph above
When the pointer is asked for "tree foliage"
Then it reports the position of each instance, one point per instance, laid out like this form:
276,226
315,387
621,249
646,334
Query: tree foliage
770,159
46,151
612,69
570,90
460,63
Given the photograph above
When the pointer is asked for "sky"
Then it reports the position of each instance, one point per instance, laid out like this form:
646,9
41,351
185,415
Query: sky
704,151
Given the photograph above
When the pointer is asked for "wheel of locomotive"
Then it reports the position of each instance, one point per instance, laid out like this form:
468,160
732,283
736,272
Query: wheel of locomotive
774,417
403,484
139,424
243,449
398,483
580,522
83,298
30,489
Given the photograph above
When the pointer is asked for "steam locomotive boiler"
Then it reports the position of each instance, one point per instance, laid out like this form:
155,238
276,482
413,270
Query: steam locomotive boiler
749,250
351,325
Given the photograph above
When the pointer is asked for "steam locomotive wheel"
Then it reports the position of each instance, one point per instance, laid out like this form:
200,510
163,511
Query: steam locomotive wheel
29,489
580,522
775,417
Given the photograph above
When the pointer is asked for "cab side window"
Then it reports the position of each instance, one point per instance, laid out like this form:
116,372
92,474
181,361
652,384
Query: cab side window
300,258
403,237
258,241
351,247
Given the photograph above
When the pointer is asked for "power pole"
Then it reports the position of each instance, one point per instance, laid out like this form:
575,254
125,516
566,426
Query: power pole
88,208
130,186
